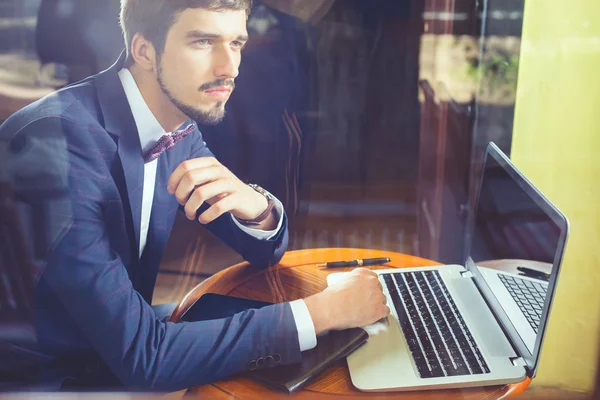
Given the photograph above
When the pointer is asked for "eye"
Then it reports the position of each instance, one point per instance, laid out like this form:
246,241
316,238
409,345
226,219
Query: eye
203,42
237,44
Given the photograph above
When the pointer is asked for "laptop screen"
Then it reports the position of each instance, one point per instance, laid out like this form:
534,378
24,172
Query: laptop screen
517,243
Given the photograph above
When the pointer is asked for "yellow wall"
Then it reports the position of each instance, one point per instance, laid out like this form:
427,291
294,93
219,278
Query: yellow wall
556,143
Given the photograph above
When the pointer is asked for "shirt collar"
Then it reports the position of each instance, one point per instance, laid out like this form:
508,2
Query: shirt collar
149,129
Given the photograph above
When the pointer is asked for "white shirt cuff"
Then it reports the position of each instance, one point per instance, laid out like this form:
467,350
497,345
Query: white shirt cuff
258,233
307,339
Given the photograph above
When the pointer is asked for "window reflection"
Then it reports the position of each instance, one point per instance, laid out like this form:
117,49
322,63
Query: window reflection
367,119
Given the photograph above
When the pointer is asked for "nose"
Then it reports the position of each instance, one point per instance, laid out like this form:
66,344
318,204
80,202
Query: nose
227,64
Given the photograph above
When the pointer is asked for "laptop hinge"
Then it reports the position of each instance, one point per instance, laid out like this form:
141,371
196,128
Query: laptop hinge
466,274
518,361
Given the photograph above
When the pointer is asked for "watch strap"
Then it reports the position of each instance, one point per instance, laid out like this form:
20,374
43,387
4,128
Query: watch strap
265,214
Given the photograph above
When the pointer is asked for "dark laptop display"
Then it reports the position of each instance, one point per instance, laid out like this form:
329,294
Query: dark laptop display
516,242
509,224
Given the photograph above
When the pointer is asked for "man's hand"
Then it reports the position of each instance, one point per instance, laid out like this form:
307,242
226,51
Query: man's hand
356,301
206,180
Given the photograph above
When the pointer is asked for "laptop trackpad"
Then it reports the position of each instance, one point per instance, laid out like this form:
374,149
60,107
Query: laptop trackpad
479,318
383,360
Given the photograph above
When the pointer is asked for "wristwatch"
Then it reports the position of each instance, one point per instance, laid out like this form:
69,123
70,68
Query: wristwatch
265,214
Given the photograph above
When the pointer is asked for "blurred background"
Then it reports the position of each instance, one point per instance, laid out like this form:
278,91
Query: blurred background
368,120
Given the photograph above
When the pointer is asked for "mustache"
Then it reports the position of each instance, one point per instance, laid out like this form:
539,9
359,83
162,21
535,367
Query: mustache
218,83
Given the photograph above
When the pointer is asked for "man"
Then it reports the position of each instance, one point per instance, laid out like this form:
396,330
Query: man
99,159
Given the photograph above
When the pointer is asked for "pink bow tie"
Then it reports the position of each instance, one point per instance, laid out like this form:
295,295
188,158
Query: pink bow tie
166,142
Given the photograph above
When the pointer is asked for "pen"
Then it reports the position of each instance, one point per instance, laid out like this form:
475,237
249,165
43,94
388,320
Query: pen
534,273
356,263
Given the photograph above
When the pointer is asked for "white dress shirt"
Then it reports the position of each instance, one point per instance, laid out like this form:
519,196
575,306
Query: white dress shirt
150,131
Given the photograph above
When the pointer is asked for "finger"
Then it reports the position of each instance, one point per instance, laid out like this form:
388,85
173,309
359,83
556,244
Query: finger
187,166
363,271
222,206
218,197
387,310
205,193
195,178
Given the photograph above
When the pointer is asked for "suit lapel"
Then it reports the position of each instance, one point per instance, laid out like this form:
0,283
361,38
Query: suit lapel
118,121
130,154
164,208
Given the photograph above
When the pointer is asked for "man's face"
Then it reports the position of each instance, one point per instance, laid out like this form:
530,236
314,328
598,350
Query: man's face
200,61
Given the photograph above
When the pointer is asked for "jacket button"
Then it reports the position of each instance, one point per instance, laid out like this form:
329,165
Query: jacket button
252,365
269,361
276,358
260,363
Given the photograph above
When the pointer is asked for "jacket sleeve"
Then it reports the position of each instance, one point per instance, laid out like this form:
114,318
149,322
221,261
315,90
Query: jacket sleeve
258,252
145,353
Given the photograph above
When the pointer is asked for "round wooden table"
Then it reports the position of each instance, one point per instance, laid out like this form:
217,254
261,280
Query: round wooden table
296,277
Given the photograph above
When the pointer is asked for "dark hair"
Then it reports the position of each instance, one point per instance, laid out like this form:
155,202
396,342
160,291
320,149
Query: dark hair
153,18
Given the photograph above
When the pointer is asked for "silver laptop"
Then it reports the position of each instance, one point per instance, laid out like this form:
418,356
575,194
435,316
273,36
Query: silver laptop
476,324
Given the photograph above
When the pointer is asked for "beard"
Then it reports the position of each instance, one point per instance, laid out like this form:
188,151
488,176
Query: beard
211,116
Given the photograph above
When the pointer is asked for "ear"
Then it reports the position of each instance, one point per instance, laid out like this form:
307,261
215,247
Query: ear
143,52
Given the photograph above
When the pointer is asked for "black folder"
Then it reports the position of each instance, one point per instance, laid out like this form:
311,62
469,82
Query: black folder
332,346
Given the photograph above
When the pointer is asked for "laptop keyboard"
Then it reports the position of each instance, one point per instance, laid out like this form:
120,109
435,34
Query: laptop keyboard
437,336
528,295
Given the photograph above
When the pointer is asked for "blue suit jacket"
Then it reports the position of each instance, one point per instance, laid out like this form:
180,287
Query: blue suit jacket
74,160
